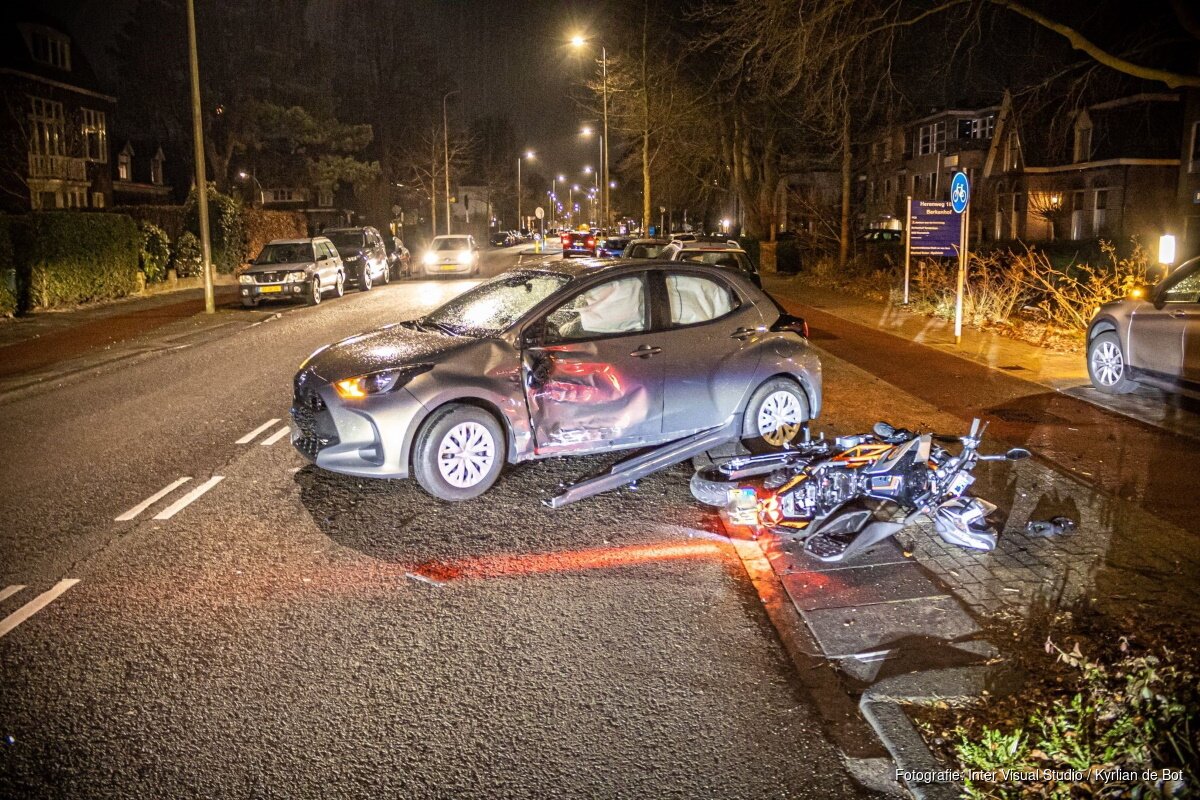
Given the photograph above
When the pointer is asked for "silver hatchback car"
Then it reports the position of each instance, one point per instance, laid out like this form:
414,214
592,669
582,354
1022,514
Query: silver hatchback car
1151,337
562,358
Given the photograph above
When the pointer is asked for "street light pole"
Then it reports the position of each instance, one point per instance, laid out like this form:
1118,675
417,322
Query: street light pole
604,136
446,150
528,154
210,305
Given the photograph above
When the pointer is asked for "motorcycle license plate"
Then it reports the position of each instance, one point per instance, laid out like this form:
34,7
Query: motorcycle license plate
743,506
960,483
270,289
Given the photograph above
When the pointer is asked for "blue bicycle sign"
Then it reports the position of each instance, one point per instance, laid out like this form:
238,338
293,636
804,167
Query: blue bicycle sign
960,192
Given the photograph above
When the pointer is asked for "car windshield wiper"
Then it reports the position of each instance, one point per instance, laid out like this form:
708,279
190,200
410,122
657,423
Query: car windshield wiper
426,326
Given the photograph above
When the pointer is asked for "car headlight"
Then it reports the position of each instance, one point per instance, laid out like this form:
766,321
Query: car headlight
430,257
245,279
382,382
296,277
464,257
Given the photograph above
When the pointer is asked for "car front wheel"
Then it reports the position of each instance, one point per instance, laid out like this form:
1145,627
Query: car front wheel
775,416
459,453
364,281
339,287
314,291
1106,365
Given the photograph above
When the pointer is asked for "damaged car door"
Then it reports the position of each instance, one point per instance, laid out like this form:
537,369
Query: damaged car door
593,379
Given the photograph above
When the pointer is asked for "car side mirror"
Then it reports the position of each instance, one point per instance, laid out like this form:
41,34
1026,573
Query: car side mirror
1017,454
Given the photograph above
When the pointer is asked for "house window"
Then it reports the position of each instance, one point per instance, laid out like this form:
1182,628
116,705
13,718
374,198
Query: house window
933,184
916,185
887,148
47,128
1083,144
97,199
325,198
1012,151
50,48
156,170
95,136
887,188
983,127
931,139
284,195
1194,162
124,167
1100,212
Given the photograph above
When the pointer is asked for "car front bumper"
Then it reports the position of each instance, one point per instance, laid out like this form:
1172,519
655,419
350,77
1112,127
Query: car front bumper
367,437
273,291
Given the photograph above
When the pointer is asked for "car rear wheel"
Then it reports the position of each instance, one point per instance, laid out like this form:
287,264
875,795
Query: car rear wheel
459,453
314,291
775,416
1106,365
386,277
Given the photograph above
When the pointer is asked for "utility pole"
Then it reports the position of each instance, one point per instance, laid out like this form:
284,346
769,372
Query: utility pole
604,140
446,145
210,306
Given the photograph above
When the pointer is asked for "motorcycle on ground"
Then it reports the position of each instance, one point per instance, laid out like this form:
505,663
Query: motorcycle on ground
840,497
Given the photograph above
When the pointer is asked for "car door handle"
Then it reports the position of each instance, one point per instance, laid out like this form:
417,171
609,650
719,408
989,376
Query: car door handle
645,351
742,334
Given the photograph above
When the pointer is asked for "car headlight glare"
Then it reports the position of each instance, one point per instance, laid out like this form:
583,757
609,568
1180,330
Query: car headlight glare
464,257
430,257
382,382
245,279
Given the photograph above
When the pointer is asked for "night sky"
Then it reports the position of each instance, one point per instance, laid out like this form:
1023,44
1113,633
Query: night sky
509,57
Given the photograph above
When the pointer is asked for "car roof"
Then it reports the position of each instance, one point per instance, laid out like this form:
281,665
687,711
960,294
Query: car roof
362,229
587,267
296,241
710,247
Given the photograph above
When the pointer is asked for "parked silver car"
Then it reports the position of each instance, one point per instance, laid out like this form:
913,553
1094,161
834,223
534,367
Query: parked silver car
293,269
1152,336
562,358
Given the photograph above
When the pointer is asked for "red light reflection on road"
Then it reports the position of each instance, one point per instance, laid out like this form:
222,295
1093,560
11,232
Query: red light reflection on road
570,561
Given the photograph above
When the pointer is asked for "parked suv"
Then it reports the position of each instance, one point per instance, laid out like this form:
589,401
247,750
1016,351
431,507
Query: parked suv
720,253
293,269
363,255
1152,336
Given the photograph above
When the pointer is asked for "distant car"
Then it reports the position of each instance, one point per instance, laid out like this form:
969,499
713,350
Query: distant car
451,255
1152,336
293,269
501,239
363,254
718,254
399,258
611,246
559,359
644,248
683,237
578,243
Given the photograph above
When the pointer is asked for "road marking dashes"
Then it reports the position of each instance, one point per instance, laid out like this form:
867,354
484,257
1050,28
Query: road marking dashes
151,500
9,591
189,498
249,437
276,436
33,606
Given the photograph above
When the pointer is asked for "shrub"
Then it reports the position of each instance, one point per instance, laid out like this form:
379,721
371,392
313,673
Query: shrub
263,226
155,253
187,258
67,257
8,270
227,229
1070,298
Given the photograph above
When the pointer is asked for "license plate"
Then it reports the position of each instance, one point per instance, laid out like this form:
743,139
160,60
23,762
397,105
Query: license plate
449,266
269,289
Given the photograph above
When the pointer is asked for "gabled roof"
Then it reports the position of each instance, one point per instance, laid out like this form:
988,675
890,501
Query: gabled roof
17,21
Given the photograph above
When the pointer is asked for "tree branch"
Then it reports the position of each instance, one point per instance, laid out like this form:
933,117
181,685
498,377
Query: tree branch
1078,41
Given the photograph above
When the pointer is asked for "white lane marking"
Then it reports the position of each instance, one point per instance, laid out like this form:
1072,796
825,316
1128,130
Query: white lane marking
9,591
249,437
276,436
35,605
189,498
151,500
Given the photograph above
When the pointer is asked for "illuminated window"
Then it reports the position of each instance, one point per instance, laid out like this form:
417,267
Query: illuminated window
156,168
47,128
125,166
95,136
1012,151
1083,143
97,199
325,198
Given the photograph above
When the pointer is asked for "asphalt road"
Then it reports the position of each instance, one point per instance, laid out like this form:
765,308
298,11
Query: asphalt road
264,629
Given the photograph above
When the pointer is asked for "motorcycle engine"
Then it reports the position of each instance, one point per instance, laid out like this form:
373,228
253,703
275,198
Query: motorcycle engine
824,491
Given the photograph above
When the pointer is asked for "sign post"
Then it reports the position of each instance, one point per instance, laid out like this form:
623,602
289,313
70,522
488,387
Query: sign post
960,202
540,213
907,244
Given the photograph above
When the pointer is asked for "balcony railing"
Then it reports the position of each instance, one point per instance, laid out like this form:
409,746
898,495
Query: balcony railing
61,167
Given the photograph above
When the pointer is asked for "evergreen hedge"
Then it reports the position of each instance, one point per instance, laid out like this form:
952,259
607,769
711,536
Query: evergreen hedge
226,228
8,270
68,257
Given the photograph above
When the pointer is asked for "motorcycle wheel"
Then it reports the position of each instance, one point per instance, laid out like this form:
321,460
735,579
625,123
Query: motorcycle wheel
710,486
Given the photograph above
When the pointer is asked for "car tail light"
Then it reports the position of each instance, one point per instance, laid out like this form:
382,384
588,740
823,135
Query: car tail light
591,242
566,239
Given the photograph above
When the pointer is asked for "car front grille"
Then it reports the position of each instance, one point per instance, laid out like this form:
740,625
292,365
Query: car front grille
270,277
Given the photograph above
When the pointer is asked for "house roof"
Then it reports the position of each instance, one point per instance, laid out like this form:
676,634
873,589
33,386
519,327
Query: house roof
17,20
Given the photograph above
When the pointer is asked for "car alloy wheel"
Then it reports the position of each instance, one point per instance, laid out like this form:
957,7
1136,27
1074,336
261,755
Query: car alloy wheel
466,455
780,418
314,291
339,287
1106,365
364,283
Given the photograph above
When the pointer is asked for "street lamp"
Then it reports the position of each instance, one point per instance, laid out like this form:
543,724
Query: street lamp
554,187
578,42
262,198
446,151
529,155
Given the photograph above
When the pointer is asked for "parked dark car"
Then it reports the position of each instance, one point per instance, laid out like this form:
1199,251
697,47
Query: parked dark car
564,358
293,269
1152,336
399,258
363,254
611,246
501,239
